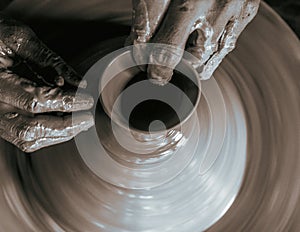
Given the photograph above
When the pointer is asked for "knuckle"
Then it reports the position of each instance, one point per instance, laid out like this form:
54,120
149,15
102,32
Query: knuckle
32,106
204,45
22,100
47,57
25,131
31,133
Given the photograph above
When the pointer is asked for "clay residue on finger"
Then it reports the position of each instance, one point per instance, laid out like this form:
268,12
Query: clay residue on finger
26,95
213,45
5,56
202,45
54,99
141,22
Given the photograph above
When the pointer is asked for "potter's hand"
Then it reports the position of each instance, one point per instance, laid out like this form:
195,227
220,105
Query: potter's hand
27,130
208,29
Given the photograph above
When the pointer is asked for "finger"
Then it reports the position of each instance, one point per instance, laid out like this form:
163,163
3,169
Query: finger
174,32
34,133
24,43
228,39
25,95
32,146
203,42
146,17
29,147
45,126
5,56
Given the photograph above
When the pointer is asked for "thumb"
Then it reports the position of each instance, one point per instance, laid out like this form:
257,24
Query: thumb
146,17
171,39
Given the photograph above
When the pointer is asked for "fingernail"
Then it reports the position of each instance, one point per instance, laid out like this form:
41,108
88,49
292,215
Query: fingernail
159,75
83,120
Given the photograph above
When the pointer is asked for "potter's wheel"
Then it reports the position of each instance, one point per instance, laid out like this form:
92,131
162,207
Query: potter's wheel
54,190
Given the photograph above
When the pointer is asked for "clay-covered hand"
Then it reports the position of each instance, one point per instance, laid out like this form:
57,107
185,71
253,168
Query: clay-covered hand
208,29
21,98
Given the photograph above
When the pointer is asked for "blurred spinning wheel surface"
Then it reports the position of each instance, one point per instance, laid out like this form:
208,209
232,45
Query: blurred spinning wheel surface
53,189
